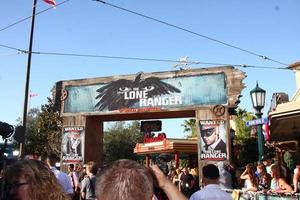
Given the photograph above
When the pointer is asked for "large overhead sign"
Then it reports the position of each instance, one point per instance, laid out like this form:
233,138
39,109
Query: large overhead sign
146,92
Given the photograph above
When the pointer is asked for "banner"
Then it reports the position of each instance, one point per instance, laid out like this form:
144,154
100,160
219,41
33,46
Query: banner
140,94
72,144
213,140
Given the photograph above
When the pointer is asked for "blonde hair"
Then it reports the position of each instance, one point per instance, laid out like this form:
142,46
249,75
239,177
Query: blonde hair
123,180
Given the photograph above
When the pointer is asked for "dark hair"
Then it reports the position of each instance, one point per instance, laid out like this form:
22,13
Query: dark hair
52,158
251,172
92,167
71,165
210,171
123,180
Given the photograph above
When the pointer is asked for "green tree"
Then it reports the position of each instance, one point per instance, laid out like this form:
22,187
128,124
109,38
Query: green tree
242,131
49,129
243,140
190,127
43,132
119,141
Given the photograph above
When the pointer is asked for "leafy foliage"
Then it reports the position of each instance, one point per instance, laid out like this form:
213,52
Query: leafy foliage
243,140
290,160
119,141
43,133
242,131
190,127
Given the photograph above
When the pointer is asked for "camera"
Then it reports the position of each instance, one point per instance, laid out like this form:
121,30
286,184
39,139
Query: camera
6,130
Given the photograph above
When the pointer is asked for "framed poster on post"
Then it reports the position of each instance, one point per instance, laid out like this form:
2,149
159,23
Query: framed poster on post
213,140
72,144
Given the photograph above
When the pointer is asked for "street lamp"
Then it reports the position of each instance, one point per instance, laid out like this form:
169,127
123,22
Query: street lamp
258,96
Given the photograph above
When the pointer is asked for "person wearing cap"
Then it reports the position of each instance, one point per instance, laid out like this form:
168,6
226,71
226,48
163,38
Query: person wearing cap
211,190
212,141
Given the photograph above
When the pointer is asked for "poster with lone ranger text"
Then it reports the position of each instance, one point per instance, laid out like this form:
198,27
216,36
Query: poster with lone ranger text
213,140
72,144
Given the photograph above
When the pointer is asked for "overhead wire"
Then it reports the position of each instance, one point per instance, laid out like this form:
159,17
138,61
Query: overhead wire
9,54
155,60
136,58
142,59
13,48
26,18
194,33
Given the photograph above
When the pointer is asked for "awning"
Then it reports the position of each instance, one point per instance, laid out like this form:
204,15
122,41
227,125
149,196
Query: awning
167,145
285,121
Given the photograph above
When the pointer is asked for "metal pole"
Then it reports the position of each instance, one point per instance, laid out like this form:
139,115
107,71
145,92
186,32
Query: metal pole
27,80
259,138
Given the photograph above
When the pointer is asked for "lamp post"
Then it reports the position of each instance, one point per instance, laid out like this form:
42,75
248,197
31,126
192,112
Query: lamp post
258,96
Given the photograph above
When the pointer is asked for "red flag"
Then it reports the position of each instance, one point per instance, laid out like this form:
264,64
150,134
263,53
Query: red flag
51,2
31,94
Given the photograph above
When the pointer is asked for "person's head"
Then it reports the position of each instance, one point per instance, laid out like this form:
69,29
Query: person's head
91,167
52,159
71,167
250,168
261,168
209,135
78,167
32,180
210,174
125,179
275,171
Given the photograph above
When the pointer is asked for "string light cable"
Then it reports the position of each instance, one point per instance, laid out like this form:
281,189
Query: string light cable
192,32
26,18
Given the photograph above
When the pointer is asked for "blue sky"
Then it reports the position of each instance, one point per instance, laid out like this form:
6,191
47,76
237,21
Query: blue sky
269,28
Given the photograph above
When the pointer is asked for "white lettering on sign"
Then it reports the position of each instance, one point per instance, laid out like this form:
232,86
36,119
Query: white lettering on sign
161,101
69,129
142,95
135,95
213,156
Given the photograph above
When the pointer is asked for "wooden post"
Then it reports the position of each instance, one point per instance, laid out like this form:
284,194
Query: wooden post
176,160
93,150
147,160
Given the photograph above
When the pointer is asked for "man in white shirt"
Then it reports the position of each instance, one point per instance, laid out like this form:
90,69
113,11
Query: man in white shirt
211,190
63,178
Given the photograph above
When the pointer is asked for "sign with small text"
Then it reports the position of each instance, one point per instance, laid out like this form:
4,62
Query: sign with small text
257,122
148,126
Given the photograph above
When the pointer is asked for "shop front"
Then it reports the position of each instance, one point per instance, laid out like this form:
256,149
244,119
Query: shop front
173,148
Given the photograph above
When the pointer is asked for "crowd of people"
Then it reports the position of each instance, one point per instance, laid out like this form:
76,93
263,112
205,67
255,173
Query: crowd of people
126,180
269,177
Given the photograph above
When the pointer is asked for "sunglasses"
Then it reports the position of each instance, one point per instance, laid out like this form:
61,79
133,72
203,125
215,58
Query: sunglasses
207,132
